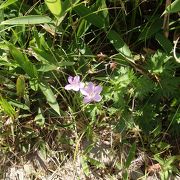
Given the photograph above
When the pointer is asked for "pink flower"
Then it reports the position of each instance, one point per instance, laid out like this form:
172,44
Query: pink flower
74,83
91,93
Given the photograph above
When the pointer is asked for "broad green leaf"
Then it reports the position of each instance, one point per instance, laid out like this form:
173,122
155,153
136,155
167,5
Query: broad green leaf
151,29
173,7
23,61
90,16
50,97
164,42
131,155
46,67
7,3
8,109
54,6
19,105
103,10
31,19
44,57
20,86
118,43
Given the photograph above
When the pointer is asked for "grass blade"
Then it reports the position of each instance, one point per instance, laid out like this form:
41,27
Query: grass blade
50,97
7,3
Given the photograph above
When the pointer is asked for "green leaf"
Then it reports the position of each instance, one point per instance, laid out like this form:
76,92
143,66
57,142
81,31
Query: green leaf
85,165
54,6
23,61
130,155
66,63
47,67
50,97
157,61
95,162
164,42
100,22
31,19
44,57
151,29
8,109
118,43
90,16
7,3
34,84
39,119
19,105
173,7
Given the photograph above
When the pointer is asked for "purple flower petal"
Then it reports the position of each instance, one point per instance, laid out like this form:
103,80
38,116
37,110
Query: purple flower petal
70,79
97,98
75,87
98,89
84,91
74,83
68,87
76,79
81,85
86,100
90,87
91,93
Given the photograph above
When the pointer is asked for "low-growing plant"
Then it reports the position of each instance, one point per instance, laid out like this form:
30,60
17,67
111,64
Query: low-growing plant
77,74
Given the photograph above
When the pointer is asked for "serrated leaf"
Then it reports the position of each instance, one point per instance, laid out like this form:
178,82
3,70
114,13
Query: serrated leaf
156,63
50,97
31,19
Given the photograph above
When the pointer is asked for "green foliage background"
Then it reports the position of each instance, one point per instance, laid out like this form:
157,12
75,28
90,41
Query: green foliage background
120,45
